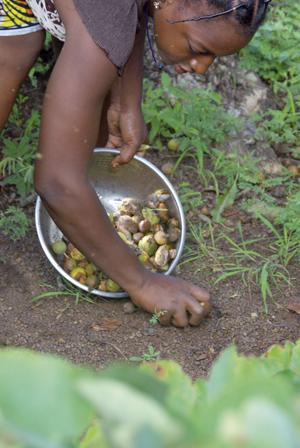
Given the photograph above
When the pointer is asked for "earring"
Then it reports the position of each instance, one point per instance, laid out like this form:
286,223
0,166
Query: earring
157,3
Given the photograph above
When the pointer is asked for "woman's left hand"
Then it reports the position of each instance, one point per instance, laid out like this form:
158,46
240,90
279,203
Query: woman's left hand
127,131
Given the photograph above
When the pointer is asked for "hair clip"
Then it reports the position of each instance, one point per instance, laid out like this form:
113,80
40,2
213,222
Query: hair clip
211,16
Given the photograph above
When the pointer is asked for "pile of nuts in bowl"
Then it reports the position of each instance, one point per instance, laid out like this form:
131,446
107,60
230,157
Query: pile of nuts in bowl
147,227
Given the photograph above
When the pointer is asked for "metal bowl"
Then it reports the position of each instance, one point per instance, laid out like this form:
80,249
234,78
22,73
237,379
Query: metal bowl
136,179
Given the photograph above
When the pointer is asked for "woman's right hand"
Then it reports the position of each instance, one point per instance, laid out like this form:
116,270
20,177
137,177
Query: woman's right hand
126,130
176,301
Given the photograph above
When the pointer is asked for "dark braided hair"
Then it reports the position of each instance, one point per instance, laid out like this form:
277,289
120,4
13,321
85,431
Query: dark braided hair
248,13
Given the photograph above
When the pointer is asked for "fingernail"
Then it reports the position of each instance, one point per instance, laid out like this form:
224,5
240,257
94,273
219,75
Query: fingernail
201,308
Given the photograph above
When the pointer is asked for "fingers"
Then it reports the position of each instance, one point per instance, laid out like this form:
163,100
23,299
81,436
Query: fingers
202,296
190,311
114,132
177,318
196,311
165,317
113,120
114,141
127,131
126,154
180,319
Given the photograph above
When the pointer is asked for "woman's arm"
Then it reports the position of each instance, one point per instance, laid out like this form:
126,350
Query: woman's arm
79,83
132,79
127,129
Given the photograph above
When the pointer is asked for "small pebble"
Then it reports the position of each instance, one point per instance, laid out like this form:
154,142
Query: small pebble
129,308
92,336
254,315
149,332
201,357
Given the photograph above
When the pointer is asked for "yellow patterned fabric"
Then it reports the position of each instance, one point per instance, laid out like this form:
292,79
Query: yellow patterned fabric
16,18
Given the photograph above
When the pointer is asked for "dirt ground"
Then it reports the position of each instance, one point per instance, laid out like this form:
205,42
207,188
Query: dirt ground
101,332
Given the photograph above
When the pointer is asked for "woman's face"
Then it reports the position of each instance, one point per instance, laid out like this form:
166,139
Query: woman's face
193,46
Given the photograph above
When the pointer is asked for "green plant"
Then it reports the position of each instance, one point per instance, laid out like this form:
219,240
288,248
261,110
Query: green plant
40,67
15,119
275,55
201,245
190,198
237,176
286,242
231,174
286,231
262,261
67,290
274,50
280,125
150,355
14,223
154,320
232,166
18,156
195,117
245,401
266,268
290,214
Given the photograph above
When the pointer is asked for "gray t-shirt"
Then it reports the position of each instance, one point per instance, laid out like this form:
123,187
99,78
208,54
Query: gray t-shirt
111,23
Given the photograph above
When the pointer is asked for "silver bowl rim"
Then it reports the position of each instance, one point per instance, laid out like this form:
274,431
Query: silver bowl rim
116,295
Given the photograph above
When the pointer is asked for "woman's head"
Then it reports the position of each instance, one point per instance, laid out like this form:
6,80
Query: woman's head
192,33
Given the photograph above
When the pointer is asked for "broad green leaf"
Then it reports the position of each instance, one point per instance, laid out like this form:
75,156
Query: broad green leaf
165,80
38,399
221,373
278,358
225,201
125,410
247,402
295,361
147,438
93,438
200,389
181,395
258,424
138,378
